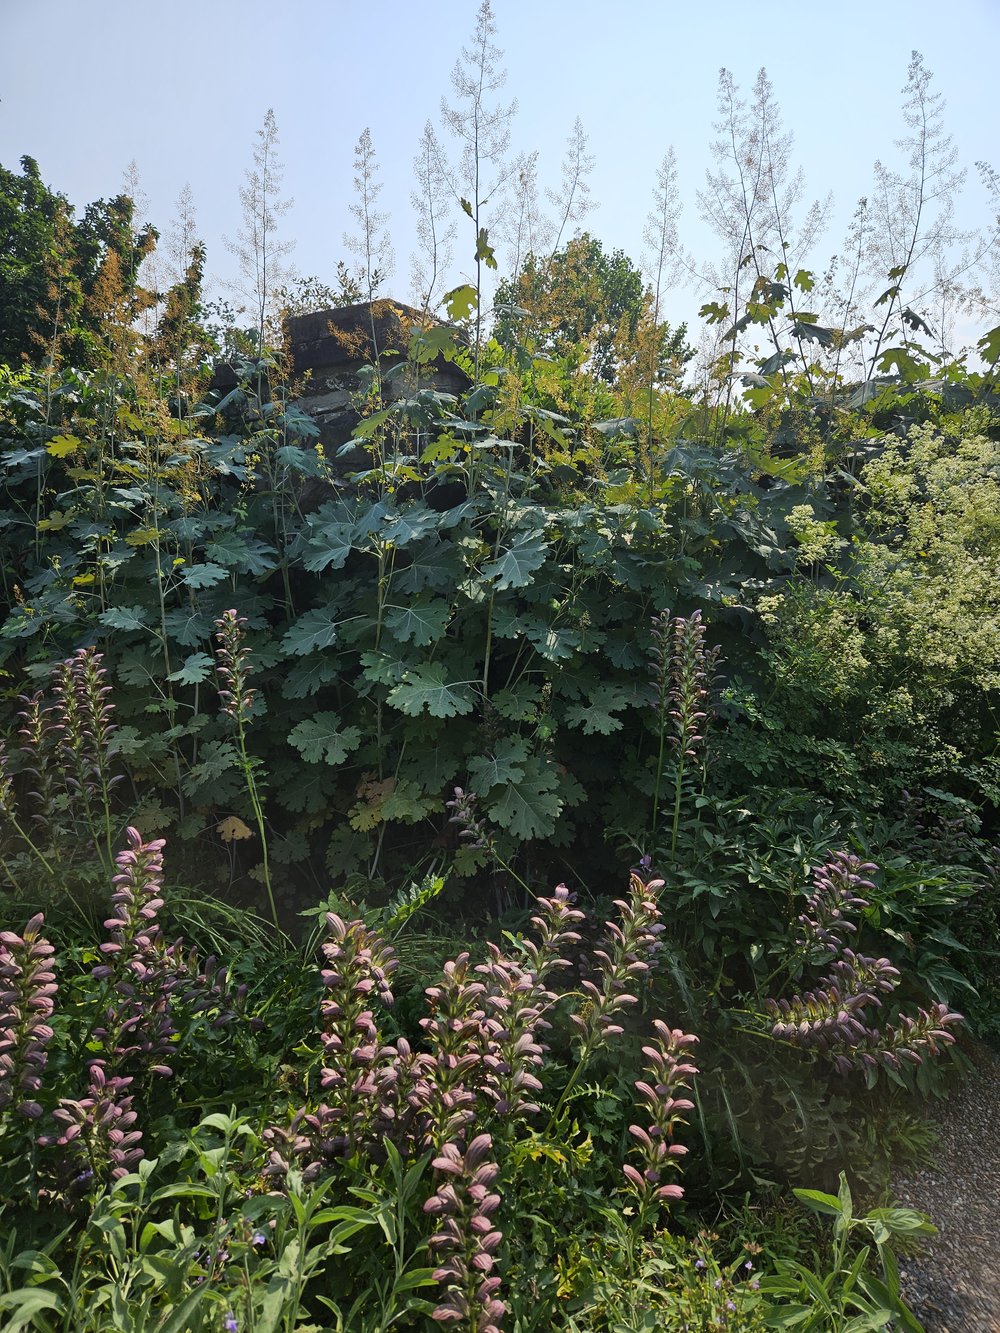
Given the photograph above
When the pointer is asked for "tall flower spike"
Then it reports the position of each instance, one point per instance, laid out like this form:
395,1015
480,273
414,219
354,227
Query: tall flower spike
458,1037
514,1004
77,743
466,1239
97,1132
556,924
471,827
360,966
233,661
623,963
688,689
141,972
27,1001
40,734
358,1072
834,1019
836,894
659,661
669,1070
93,690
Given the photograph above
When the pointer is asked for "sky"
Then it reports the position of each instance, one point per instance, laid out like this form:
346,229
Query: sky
182,88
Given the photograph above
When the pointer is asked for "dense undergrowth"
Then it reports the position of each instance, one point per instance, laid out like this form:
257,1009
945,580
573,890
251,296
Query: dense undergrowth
478,886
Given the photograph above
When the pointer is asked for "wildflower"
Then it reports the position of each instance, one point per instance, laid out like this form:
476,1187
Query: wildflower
472,829
466,1238
230,1323
27,990
556,925
232,658
623,961
826,921
834,1018
99,1128
84,725
669,1070
138,967
457,1036
360,966
688,693
514,1005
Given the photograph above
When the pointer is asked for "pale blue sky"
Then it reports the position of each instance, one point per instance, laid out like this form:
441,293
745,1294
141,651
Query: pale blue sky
182,87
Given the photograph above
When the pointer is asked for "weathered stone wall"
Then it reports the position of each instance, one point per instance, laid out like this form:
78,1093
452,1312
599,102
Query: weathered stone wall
331,347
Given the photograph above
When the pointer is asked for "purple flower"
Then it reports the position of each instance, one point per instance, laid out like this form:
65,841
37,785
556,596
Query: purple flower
230,1323
98,1130
556,925
472,829
360,967
140,970
458,1037
826,921
669,1070
514,1005
233,664
834,1019
466,1240
27,1002
623,963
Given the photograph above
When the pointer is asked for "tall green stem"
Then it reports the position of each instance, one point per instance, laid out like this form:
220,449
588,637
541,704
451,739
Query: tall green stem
246,763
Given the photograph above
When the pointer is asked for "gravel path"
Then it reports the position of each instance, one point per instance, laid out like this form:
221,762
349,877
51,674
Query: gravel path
953,1285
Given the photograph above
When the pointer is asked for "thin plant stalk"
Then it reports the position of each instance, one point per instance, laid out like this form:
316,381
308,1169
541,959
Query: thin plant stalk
237,699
